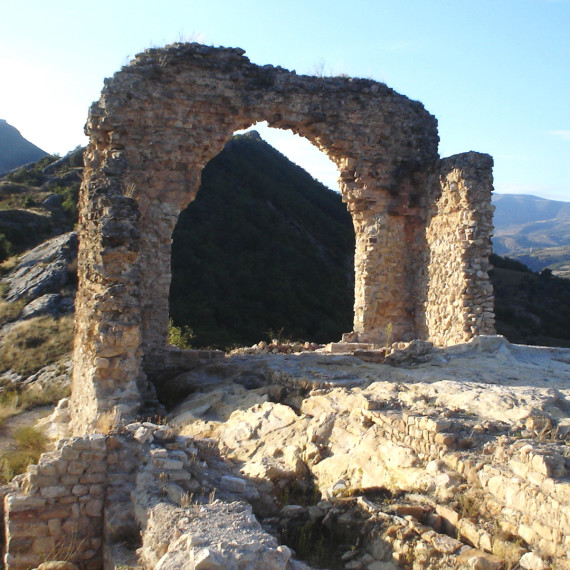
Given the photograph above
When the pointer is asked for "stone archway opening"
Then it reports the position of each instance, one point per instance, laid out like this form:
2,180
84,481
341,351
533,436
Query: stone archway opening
265,250
422,225
300,151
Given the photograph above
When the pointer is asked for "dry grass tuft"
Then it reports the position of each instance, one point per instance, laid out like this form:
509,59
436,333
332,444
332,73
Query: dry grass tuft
35,343
109,421
31,443
8,405
38,396
10,311
9,264
14,401
31,440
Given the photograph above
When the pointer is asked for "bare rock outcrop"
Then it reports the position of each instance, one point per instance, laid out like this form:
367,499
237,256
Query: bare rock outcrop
457,461
487,421
43,270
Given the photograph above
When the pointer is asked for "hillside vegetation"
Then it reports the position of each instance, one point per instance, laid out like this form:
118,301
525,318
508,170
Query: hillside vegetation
38,201
530,308
266,251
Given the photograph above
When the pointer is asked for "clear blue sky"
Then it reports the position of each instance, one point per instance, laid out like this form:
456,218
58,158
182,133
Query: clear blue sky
496,73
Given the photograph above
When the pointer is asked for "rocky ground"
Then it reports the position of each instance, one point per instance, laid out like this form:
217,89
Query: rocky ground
413,457
38,297
409,463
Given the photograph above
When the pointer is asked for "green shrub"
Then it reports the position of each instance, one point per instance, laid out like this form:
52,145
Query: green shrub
508,263
32,175
70,197
180,336
28,202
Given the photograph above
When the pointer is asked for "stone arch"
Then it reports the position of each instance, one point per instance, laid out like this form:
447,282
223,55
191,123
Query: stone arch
160,120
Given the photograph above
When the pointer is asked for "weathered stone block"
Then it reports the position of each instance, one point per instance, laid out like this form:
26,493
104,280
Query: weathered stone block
54,527
445,439
54,491
69,454
94,508
15,503
43,545
76,468
98,441
168,464
92,478
233,484
96,490
58,511
80,490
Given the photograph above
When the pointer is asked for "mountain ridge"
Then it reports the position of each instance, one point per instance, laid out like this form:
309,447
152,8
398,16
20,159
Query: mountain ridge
517,209
533,230
15,150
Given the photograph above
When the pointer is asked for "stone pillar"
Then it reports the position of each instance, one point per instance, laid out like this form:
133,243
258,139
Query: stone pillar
459,302
381,277
155,273
389,226
107,353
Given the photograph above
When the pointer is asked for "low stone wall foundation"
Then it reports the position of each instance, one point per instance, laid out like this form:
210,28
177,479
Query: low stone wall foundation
56,512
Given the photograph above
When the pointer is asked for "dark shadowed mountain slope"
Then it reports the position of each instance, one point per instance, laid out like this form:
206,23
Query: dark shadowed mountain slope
264,247
15,150
530,308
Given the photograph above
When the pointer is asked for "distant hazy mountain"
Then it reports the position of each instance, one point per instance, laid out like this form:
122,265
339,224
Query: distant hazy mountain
15,150
533,230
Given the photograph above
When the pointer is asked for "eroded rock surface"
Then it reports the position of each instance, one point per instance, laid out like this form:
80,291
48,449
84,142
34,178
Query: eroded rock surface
488,421
44,269
316,460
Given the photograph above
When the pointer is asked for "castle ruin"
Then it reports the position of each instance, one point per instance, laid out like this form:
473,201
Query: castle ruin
422,225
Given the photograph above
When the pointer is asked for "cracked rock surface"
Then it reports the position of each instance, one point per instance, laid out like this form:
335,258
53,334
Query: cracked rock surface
472,441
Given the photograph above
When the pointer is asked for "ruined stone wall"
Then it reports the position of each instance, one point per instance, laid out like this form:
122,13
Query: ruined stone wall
157,124
75,503
82,502
56,511
459,302
525,484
